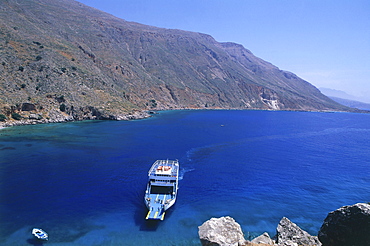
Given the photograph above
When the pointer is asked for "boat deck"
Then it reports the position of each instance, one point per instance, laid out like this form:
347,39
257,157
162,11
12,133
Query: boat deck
164,168
157,211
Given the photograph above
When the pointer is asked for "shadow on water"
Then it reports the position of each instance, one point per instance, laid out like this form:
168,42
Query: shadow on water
149,225
139,217
8,148
35,242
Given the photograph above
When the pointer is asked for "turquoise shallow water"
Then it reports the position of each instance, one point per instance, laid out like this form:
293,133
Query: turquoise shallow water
84,182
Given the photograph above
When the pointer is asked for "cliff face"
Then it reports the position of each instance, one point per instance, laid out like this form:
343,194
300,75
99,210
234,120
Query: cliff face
64,57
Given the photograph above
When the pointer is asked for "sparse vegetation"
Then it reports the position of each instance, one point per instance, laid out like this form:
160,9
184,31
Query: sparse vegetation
2,117
62,107
153,103
177,68
16,116
60,99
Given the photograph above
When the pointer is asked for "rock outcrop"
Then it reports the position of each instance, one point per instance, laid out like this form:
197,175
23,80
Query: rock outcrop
222,231
288,233
54,116
347,226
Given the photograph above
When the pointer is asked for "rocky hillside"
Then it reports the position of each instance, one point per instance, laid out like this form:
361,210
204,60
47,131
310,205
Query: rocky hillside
60,58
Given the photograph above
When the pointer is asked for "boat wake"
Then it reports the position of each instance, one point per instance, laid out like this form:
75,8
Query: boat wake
183,171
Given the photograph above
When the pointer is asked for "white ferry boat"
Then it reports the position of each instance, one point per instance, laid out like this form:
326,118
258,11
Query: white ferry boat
162,188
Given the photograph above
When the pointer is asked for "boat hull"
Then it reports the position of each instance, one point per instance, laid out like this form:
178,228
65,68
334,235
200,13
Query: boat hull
40,234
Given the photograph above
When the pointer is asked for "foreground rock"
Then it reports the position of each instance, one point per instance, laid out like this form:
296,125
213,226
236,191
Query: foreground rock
225,231
348,225
263,239
288,233
221,232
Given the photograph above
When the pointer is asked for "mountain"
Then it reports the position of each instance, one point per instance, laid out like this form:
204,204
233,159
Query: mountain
337,93
345,98
352,103
62,60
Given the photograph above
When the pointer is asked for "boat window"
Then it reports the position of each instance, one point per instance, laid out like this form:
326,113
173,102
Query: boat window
161,189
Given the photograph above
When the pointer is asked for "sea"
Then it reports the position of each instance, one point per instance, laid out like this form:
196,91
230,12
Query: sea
84,182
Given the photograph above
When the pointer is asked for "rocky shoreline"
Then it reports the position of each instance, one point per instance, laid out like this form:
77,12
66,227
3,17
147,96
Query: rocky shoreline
346,226
57,117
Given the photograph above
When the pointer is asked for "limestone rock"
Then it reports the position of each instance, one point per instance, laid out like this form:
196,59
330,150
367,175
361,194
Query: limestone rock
35,117
290,234
264,239
348,225
222,231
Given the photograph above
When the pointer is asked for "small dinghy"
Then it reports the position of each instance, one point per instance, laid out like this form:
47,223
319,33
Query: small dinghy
40,234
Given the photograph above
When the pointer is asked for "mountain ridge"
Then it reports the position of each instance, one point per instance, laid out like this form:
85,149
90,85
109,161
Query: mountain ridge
77,62
351,103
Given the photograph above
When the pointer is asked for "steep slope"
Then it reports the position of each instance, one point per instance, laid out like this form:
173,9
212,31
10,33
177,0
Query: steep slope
62,58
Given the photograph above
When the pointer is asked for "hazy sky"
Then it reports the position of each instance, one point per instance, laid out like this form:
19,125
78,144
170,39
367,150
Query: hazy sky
326,42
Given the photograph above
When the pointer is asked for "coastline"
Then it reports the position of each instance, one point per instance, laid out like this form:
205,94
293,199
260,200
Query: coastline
55,117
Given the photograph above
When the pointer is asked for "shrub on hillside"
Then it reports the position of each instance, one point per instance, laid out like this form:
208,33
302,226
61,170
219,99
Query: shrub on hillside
2,117
16,116
62,107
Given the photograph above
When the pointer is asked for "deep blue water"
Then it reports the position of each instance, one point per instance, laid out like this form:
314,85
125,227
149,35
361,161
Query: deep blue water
84,182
